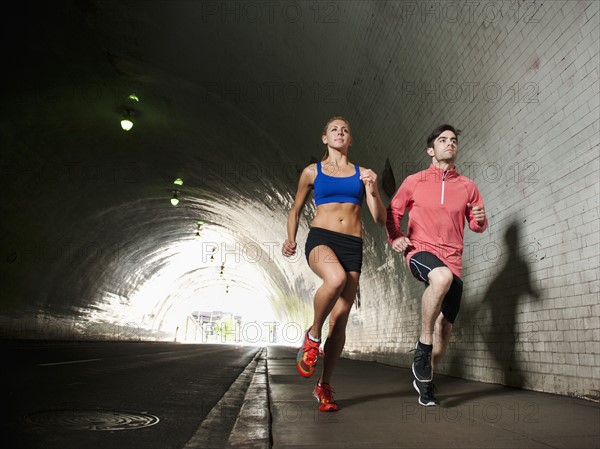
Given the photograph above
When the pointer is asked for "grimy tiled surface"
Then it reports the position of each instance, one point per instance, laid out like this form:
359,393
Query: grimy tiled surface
379,409
521,80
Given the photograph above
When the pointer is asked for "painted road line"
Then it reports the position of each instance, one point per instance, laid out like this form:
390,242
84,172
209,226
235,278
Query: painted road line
67,363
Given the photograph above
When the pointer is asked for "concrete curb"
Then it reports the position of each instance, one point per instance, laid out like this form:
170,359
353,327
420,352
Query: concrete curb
252,429
214,430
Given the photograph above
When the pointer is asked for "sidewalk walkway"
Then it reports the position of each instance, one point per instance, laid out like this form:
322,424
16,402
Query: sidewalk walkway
379,409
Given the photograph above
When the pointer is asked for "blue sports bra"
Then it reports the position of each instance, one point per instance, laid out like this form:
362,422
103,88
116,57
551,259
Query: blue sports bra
331,189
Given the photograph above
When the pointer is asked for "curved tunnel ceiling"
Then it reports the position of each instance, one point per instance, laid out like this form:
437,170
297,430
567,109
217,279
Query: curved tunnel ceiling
91,234
232,98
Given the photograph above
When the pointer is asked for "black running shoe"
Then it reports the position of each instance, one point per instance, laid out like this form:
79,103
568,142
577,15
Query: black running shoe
426,393
421,366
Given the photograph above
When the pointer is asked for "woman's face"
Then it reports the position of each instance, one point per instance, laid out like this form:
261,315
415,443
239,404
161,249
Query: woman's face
338,135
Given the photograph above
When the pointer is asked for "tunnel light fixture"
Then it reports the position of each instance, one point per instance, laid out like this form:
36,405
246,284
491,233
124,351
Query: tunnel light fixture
127,119
199,224
126,124
175,198
178,182
134,97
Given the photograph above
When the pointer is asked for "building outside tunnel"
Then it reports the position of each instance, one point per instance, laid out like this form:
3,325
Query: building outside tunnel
227,101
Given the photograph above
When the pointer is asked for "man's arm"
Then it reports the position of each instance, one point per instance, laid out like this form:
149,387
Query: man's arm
396,210
475,212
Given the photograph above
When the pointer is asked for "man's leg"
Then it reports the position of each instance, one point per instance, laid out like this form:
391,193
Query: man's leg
440,280
441,337
443,329
427,357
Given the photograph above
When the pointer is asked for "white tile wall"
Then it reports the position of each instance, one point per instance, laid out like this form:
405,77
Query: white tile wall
530,142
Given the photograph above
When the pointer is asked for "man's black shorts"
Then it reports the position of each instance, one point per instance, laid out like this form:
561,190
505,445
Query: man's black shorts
421,264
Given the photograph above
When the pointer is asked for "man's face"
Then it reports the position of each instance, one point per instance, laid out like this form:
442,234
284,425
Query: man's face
445,147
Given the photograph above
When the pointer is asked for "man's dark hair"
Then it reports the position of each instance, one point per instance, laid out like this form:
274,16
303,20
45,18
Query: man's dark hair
439,130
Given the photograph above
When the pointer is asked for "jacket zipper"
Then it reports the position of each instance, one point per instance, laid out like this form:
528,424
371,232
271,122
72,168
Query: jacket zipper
443,184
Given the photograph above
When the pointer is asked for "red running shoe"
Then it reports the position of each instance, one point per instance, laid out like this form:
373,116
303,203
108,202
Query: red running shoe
324,394
306,360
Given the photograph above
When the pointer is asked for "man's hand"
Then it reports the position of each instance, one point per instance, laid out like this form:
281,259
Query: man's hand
478,213
400,244
289,248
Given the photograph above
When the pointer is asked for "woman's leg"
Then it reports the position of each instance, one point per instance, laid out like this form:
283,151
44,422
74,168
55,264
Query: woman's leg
337,325
325,264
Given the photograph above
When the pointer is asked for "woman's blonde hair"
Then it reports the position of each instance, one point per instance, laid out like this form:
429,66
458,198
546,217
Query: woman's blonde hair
332,119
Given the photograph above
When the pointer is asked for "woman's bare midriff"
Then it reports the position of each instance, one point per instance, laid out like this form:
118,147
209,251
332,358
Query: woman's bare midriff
339,217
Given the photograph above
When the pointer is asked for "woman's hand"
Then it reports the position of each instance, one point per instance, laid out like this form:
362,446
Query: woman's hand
289,248
369,178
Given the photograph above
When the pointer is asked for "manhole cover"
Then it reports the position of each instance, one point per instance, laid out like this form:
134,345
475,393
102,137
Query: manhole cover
92,419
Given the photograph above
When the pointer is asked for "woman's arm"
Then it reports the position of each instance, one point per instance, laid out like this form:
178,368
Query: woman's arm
378,211
304,186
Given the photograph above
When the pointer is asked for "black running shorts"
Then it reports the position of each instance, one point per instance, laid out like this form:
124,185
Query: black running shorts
347,248
421,264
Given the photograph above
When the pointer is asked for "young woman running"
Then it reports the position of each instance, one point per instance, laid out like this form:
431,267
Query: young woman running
333,247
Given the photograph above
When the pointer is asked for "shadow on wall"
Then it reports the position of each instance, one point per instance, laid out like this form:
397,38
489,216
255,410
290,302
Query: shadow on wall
513,284
494,321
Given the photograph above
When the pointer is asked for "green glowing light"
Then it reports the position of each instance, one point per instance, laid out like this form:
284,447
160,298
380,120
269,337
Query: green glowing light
178,182
133,97
126,124
174,201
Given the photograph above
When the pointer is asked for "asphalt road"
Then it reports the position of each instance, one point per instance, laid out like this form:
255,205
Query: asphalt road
99,395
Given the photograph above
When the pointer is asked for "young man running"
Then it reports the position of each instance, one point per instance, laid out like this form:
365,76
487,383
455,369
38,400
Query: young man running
439,200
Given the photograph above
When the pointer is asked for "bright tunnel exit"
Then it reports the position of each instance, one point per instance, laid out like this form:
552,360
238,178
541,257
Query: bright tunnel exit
209,288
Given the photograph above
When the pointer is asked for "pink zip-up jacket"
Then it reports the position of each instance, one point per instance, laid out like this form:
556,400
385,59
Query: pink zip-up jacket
437,203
